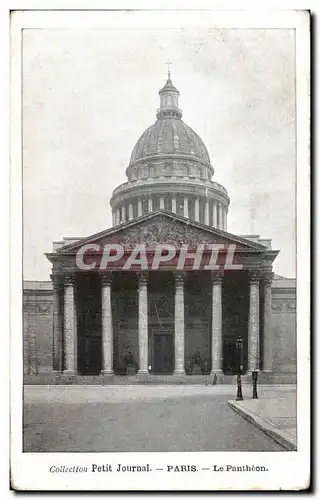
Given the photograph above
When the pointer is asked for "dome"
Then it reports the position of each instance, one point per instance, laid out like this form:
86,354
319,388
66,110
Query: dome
170,170
169,135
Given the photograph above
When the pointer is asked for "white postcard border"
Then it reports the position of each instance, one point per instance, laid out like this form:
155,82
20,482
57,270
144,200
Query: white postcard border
289,471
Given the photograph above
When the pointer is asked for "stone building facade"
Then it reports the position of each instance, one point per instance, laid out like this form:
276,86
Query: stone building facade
121,314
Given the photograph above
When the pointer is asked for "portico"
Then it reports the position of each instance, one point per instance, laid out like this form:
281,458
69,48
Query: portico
164,321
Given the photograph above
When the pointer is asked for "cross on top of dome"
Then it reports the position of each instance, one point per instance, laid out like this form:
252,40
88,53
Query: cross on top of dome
168,63
169,87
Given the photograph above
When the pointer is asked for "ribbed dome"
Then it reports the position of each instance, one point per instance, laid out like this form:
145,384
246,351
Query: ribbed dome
169,136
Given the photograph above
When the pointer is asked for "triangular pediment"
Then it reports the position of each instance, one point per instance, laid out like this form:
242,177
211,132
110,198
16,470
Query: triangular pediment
162,227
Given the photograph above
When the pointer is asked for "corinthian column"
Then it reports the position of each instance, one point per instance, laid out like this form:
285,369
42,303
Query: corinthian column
123,213
179,324
143,323
196,210
253,334
130,209
185,207
57,361
214,214
69,326
174,205
216,333
107,326
206,212
219,221
268,343
117,216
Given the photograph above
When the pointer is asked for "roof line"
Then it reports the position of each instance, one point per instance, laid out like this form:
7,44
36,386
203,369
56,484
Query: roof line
169,214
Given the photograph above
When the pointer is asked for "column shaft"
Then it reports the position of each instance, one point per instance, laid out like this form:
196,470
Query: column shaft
268,343
75,342
216,334
57,361
214,214
223,217
139,208
196,210
150,205
253,334
206,213
123,213
186,207
179,325
118,216
143,324
161,202
130,210
219,216
107,326
69,326
174,205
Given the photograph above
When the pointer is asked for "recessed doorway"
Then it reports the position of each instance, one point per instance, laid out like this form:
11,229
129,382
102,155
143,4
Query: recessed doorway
162,359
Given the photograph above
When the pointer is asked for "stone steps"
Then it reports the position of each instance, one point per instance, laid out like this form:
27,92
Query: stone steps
60,379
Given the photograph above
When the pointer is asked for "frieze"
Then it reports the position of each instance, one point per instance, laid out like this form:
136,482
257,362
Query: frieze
37,308
162,231
283,306
291,307
277,306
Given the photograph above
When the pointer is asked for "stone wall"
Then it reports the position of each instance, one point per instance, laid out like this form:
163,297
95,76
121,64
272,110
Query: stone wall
284,325
37,327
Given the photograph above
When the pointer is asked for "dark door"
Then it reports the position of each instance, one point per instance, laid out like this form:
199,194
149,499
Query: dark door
163,354
90,355
230,364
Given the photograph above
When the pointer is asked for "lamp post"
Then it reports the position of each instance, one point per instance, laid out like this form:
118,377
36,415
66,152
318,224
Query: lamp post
239,357
254,384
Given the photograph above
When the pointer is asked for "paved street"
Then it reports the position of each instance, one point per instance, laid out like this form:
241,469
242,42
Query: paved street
137,419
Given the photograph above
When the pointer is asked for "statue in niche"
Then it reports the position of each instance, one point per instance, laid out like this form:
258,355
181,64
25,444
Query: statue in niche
129,364
196,363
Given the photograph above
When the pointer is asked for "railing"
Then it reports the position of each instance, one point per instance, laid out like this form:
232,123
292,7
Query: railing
156,180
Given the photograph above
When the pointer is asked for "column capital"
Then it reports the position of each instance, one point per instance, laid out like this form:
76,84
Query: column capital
56,281
106,278
143,279
267,278
217,275
179,277
69,279
254,275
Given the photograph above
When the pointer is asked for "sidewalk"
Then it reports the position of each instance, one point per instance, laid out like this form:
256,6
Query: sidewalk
275,415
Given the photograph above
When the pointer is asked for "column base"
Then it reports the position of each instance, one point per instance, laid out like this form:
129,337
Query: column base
69,373
218,372
179,372
142,372
107,372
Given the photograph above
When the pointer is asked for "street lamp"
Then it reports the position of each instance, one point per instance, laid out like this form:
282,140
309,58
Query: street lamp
239,357
254,384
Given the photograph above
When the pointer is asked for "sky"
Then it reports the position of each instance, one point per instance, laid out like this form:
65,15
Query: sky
88,95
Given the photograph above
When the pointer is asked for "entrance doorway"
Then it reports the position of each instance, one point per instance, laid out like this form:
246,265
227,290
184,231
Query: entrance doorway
162,359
